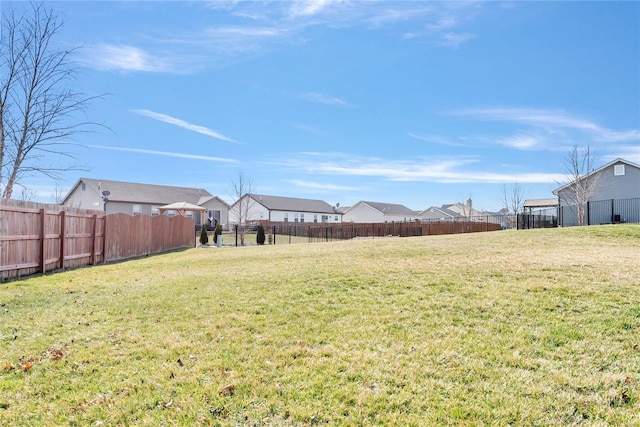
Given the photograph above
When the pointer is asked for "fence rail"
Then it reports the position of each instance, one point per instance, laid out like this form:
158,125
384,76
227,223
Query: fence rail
36,238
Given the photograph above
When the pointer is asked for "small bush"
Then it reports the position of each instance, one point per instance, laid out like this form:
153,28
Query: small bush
260,236
204,236
217,233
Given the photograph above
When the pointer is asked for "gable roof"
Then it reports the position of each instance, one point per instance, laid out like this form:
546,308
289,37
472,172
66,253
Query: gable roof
142,193
444,210
595,171
292,204
390,208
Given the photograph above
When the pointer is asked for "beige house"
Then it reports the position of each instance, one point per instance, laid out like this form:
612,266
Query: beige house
144,199
375,212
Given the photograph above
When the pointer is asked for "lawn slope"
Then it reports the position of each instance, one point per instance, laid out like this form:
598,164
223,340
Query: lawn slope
538,327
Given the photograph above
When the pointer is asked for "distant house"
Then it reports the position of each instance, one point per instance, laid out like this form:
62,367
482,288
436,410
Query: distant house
257,207
613,195
375,212
136,199
439,213
464,209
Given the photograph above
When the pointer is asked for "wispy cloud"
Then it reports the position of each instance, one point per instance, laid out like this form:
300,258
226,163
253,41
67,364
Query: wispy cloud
185,125
448,170
107,57
261,26
323,99
550,120
310,7
435,140
308,129
320,186
165,153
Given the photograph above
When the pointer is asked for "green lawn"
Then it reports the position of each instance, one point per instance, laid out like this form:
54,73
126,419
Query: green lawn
538,327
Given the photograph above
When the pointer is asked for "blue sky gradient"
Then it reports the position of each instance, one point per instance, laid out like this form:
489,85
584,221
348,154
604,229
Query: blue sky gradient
410,102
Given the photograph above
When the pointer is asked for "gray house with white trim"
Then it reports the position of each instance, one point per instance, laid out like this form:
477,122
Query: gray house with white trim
614,195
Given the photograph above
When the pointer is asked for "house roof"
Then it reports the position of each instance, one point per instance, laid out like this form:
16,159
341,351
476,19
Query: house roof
443,210
540,203
595,171
143,193
390,208
292,204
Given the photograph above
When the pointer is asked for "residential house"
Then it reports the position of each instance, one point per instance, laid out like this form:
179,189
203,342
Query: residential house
136,199
374,212
464,209
612,193
253,208
439,214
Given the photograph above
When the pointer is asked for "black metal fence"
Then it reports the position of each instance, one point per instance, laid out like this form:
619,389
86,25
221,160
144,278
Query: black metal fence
285,233
602,212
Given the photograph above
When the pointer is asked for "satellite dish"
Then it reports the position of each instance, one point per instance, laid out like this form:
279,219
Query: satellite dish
106,193
337,205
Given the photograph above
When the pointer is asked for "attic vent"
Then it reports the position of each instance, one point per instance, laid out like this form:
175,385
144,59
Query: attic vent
618,170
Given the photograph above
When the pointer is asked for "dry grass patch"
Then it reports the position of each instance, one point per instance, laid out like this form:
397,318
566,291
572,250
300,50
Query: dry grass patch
533,327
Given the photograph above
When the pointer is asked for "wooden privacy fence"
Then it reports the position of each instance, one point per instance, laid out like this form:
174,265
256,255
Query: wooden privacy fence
40,238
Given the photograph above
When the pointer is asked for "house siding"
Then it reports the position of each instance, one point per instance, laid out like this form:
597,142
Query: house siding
609,186
363,213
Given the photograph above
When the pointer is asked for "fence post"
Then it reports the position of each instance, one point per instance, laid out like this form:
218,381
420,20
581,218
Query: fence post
43,265
588,213
93,239
236,226
63,232
274,234
612,211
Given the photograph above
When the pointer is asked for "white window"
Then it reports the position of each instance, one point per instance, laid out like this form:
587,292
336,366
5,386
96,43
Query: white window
295,218
155,210
286,217
315,217
301,217
137,210
618,170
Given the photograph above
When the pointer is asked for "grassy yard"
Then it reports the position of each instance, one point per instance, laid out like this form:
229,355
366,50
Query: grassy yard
538,327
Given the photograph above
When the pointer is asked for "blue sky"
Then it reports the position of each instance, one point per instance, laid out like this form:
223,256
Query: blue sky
417,103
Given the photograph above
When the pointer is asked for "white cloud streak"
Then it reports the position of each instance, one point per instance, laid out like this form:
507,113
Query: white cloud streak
106,57
265,25
321,186
439,170
165,153
434,139
323,99
185,125
550,121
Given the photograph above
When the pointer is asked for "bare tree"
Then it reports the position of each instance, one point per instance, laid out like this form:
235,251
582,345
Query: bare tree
512,201
580,186
241,188
37,108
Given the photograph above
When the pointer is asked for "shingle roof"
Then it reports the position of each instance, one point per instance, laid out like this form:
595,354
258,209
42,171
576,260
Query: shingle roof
145,193
391,209
291,204
444,209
